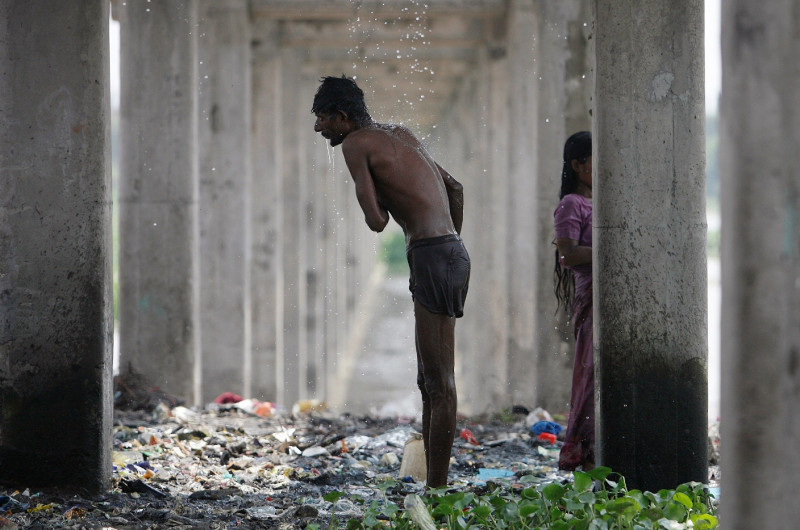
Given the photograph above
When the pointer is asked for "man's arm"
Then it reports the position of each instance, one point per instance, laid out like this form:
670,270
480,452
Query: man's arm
455,195
376,216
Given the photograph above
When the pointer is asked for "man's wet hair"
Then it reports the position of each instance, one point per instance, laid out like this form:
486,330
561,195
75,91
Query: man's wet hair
340,93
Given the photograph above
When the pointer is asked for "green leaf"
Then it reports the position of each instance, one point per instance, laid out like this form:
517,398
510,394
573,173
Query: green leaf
371,521
587,497
510,512
354,524
333,496
623,505
452,498
705,521
599,473
442,511
643,501
683,499
527,510
529,493
553,492
583,481
482,510
465,500
675,512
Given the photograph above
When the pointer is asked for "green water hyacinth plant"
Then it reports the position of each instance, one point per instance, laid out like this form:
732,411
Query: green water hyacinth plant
594,500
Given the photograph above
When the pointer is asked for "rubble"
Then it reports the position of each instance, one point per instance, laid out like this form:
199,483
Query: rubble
222,467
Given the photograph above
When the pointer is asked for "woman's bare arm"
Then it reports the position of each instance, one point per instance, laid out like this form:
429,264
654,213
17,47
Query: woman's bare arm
571,254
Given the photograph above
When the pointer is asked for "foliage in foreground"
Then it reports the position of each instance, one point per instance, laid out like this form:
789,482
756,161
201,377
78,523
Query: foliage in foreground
593,501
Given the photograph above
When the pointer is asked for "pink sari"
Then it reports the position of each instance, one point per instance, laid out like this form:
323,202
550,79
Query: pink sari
573,220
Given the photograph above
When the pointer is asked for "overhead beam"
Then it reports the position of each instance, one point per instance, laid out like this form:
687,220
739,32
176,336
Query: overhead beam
343,9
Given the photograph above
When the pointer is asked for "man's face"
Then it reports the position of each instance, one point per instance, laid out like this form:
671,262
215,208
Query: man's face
333,126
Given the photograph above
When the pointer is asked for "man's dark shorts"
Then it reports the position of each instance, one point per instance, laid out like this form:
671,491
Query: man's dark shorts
439,274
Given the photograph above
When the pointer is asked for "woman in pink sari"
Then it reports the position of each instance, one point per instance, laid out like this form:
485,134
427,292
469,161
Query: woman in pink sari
573,285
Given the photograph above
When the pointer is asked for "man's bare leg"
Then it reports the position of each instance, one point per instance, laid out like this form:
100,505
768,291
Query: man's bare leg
435,337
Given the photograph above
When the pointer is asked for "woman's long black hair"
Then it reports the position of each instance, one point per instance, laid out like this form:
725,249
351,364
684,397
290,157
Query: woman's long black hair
577,147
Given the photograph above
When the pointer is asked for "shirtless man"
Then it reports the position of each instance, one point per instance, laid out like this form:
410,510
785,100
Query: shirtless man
395,176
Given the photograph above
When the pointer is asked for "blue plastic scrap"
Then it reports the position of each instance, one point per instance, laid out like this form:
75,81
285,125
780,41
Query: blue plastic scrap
490,473
546,426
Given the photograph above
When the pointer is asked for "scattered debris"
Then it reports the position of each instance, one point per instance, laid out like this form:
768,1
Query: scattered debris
223,466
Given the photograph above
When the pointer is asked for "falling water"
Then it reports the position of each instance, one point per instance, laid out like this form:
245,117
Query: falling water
331,157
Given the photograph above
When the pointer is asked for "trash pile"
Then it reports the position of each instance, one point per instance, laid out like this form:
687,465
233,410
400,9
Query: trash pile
246,464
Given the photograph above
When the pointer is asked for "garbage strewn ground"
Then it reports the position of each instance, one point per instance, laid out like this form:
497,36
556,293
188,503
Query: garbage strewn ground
227,467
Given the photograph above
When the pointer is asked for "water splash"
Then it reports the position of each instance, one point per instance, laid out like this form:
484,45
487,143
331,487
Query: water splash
331,157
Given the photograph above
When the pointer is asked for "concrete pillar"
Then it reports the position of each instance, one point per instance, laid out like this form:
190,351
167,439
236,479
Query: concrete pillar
55,233
649,242
291,349
759,160
523,220
453,152
563,74
328,221
159,237
267,166
340,360
308,370
475,151
317,250
224,139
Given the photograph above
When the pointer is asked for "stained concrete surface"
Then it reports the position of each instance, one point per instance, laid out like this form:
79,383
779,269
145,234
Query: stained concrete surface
383,380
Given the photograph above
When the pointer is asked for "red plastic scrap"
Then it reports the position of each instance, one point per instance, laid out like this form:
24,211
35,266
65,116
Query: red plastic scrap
467,435
228,397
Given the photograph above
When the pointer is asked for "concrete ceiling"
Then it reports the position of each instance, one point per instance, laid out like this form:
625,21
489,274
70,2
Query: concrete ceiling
409,56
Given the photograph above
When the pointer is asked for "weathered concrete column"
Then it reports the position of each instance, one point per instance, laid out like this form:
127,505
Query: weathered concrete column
759,161
55,234
522,200
317,250
267,160
475,151
224,139
159,236
291,348
649,242
563,74
310,241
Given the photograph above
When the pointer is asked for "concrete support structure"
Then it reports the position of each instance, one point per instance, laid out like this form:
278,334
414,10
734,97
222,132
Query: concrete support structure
245,260
224,196
267,159
649,242
480,110
55,235
760,188
291,235
477,142
523,221
564,77
158,198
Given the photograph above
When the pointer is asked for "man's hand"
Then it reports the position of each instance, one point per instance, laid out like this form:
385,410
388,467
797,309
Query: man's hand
455,196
